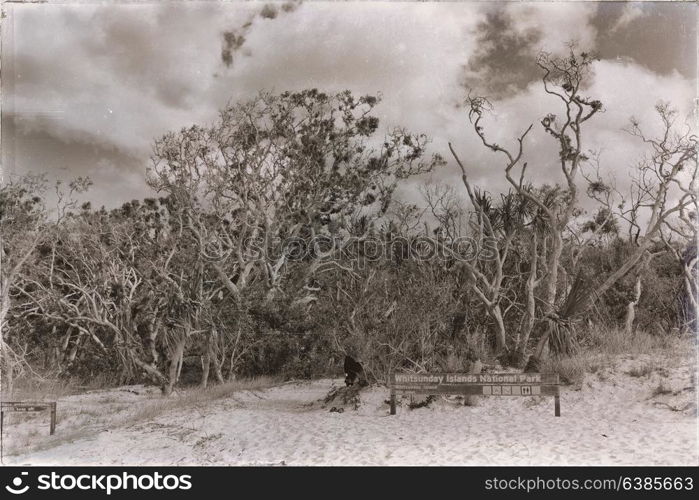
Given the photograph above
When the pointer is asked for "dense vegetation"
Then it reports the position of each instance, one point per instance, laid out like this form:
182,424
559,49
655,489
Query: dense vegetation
276,246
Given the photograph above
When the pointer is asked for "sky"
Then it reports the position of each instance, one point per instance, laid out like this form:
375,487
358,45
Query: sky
87,87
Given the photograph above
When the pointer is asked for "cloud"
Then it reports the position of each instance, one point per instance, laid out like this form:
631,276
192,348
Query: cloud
43,148
625,88
630,13
512,34
107,80
369,49
124,74
234,39
558,23
663,39
504,60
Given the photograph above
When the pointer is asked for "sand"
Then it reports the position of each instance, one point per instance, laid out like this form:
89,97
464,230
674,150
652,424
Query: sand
615,417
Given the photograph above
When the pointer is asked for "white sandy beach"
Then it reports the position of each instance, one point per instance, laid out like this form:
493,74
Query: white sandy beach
614,418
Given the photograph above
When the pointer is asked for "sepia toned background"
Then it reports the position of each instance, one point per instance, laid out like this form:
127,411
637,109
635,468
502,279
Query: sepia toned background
88,87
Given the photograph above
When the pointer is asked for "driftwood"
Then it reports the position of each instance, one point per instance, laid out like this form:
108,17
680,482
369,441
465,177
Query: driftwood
346,396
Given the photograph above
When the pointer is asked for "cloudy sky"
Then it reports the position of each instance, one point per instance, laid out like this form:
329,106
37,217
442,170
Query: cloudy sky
87,87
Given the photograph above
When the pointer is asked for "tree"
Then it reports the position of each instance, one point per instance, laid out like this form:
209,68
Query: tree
272,177
663,197
24,220
21,217
563,78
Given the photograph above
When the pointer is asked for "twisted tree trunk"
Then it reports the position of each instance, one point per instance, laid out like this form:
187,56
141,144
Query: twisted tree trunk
631,306
175,366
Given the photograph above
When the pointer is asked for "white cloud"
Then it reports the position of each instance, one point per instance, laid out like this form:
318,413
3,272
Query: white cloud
122,75
630,13
626,89
558,22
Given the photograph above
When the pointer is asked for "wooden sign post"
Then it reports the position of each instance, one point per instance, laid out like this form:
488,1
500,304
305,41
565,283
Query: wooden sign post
26,407
487,384
29,406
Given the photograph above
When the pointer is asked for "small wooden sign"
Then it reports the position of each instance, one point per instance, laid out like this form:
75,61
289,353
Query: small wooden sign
27,407
486,384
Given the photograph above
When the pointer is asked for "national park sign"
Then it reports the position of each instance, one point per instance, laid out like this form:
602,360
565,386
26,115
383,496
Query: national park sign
486,384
